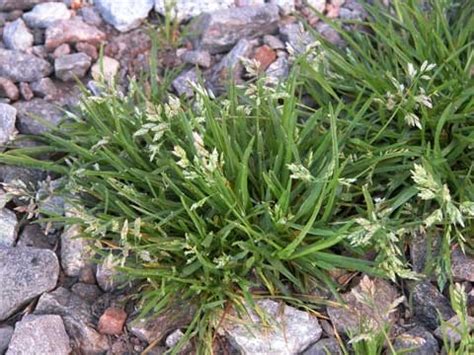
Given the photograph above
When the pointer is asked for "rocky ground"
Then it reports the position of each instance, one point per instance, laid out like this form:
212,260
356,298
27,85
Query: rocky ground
54,299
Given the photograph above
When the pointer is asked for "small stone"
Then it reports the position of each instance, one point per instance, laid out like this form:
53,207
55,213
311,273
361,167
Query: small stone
19,66
462,266
8,227
265,56
25,273
9,90
17,36
33,236
201,58
112,321
72,31
174,338
39,335
6,333
44,88
89,293
324,347
108,278
242,3
91,16
279,69
7,123
88,49
75,252
44,15
330,34
72,66
87,274
296,37
286,6
62,50
423,248
105,69
39,51
124,15
28,110
273,42
185,9
416,341
218,31
318,5
26,92
451,330
183,82
10,5
287,330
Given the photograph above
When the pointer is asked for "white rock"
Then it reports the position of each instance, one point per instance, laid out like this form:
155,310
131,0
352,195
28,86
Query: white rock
124,15
289,330
185,9
107,69
8,227
286,6
45,14
17,36
75,251
7,123
318,5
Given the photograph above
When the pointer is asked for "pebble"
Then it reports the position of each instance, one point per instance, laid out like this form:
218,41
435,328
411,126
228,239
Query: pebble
106,69
7,124
72,66
8,225
27,110
88,49
45,14
201,58
274,42
6,333
88,292
124,15
107,276
44,88
111,322
62,50
279,69
72,31
174,338
416,341
182,84
25,273
423,248
462,266
43,334
26,92
265,56
75,251
19,66
452,329
185,9
296,37
324,347
8,89
16,36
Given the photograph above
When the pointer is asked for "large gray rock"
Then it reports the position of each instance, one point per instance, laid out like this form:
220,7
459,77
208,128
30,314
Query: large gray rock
416,341
16,36
218,31
6,333
185,9
75,251
39,335
288,330
124,15
18,66
30,114
77,317
25,273
33,236
7,123
72,66
9,5
45,14
8,227
72,31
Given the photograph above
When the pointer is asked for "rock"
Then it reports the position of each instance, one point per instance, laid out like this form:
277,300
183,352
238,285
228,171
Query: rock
423,248
287,330
88,292
318,5
353,10
183,82
112,321
6,333
185,9
462,266
25,273
33,236
91,16
39,335
265,56
429,304
77,317
44,88
72,66
124,15
88,49
286,6
201,58
324,347
8,227
8,89
10,5
174,338
62,50
416,341
44,15
40,51
75,251
72,31
27,111
108,278
452,329
16,36
273,42
348,319
50,202
105,69
218,31
26,92
7,123
296,37
18,66
279,69
330,34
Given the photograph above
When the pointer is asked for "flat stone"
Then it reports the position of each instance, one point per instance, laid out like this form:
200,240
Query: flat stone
39,335
8,89
7,123
72,66
8,227
72,31
348,318
27,111
289,331
111,322
201,58
452,329
218,31
105,69
44,15
44,88
18,66
324,347
25,273
429,305
273,42
185,9
183,82
462,266
75,251
77,317
416,341
6,333
10,5
16,36
124,15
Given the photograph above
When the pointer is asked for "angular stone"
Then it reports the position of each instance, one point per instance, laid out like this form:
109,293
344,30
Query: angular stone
8,227
265,56
33,236
18,66
108,278
105,69
416,341
8,174
7,123
452,329
423,248
44,15
91,16
201,58
124,15
289,331
183,82
185,9
88,49
77,317
10,5
75,251
462,265
37,108
218,31
330,34
8,89
174,338
62,50
17,36
273,42
324,347
6,333
72,66
39,335
89,293
25,273
72,31
111,322
44,88
279,69
296,37
318,5
26,92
